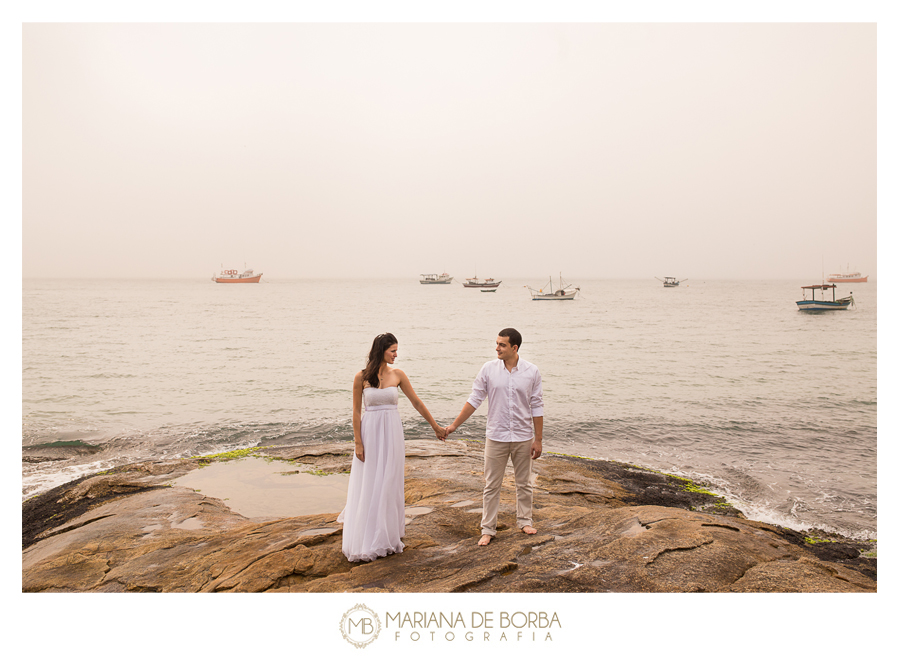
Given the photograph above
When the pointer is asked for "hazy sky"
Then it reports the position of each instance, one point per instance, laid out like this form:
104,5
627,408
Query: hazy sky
599,149
744,150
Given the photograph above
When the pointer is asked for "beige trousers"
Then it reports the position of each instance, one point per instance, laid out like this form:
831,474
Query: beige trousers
496,455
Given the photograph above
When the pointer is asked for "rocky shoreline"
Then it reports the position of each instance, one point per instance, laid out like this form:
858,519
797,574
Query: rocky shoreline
602,527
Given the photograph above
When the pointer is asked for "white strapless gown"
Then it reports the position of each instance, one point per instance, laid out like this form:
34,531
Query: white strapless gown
374,518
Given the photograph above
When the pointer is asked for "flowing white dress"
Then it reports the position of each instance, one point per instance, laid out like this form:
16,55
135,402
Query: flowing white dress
374,518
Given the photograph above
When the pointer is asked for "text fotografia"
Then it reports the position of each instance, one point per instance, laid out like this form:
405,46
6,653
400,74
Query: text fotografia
478,626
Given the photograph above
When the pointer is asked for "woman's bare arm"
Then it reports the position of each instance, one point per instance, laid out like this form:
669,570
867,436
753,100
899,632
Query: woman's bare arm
418,405
357,417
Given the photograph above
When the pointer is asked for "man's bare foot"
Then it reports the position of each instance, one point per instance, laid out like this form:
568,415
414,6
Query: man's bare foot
485,540
528,530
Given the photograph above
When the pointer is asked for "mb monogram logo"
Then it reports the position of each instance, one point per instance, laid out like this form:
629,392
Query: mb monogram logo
360,626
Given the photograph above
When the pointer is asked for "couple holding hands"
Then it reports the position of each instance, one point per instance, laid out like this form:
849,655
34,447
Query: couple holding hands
374,518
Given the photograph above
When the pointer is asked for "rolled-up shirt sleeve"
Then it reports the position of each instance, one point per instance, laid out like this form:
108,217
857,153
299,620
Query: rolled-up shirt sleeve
537,395
479,389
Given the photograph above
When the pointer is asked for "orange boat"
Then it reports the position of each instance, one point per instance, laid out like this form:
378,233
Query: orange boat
232,276
852,277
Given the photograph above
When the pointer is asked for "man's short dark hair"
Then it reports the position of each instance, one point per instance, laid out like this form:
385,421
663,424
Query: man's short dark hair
515,338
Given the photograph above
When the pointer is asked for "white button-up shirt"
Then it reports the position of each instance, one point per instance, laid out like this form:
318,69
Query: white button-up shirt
514,398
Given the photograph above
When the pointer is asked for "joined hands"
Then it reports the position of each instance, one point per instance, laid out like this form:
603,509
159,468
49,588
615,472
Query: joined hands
443,432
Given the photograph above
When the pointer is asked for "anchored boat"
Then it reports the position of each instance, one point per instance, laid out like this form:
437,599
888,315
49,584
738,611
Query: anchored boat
232,276
563,292
823,304
849,277
487,284
435,278
669,281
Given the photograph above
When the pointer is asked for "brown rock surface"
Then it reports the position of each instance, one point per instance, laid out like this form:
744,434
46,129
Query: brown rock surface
601,526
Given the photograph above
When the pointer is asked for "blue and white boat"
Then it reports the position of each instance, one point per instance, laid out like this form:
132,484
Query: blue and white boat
670,281
823,304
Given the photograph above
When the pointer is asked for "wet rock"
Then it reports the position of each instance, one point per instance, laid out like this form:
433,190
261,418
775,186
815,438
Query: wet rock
601,526
58,451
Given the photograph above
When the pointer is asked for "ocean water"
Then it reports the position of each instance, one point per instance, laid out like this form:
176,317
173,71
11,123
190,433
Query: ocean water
723,381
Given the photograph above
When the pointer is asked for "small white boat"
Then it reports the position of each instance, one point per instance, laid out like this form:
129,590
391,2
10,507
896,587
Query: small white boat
563,292
435,278
669,281
823,304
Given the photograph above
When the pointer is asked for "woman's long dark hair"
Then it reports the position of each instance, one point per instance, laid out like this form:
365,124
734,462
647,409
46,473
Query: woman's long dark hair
376,357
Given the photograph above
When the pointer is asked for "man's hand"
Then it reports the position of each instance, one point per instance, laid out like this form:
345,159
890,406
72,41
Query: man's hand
536,448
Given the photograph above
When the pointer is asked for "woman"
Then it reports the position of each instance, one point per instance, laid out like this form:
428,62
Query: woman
374,519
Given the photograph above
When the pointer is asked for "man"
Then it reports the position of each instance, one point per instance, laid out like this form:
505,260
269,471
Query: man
515,428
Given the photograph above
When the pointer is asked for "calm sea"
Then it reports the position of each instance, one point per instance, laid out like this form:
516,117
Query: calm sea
724,381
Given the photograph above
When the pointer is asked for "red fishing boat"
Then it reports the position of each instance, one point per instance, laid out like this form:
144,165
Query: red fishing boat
850,277
232,276
487,284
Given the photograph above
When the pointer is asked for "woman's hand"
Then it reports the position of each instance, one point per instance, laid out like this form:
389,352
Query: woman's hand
440,433
360,452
